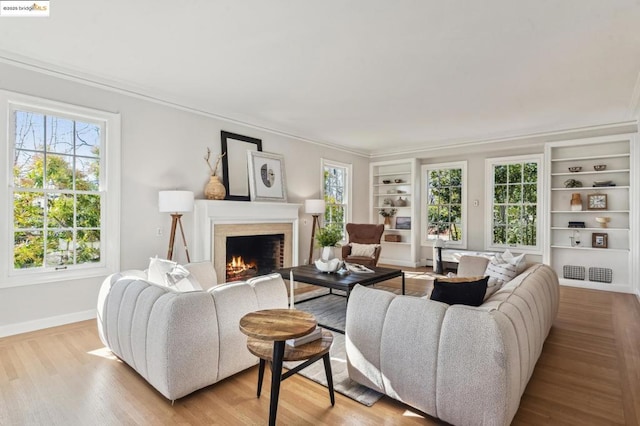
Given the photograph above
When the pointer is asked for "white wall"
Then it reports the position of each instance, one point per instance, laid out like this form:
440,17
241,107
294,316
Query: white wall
162,148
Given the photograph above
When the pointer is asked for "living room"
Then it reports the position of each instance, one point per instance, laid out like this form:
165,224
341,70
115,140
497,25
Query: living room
163,135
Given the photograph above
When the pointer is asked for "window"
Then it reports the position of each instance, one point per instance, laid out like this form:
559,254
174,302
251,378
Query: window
445,207
336,189
60,184
514,202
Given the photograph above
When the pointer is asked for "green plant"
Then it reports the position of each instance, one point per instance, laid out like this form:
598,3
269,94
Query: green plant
388,212
329,236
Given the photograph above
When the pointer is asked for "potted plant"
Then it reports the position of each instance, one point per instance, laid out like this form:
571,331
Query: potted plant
328,237
387,214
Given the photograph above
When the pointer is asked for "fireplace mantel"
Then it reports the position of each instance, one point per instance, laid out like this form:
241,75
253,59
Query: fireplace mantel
209,213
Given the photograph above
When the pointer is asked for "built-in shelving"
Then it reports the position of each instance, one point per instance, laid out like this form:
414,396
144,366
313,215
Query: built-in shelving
403,184
617,154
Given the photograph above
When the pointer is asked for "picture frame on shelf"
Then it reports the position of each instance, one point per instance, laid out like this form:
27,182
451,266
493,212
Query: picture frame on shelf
403,222
599,240
597,201
234,164
267,181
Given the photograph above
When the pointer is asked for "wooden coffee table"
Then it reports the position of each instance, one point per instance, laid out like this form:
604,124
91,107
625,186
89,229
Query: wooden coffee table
268,331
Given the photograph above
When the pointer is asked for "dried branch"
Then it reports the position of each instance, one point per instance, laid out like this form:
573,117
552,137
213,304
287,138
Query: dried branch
214,170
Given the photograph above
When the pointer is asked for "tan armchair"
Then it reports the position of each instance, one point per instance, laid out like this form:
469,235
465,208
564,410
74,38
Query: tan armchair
363,233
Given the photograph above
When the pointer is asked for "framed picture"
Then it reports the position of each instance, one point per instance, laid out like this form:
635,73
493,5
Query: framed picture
267,180
597,201
234,164
599,240
403,222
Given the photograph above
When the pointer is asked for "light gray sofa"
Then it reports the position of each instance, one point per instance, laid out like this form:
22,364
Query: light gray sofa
465,365
182,341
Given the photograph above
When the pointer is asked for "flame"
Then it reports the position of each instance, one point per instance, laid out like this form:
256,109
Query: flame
237,268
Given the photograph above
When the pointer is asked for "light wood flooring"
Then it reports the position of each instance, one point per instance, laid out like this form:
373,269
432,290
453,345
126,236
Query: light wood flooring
588,374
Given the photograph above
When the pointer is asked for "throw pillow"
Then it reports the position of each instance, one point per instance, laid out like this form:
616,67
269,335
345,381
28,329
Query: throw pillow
500,272
460,290
158,270
180,279
518,261
363,250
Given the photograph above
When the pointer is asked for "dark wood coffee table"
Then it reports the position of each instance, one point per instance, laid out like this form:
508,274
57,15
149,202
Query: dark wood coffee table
308,274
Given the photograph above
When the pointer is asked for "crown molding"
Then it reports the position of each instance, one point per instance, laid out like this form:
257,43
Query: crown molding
529,139
148,95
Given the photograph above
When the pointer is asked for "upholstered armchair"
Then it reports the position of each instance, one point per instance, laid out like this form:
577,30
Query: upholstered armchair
363,234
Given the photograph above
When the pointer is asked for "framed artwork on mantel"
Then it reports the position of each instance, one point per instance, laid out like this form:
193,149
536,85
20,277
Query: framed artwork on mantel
234,164
267,180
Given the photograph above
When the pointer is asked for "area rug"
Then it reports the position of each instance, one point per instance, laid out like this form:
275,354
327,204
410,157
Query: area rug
341,381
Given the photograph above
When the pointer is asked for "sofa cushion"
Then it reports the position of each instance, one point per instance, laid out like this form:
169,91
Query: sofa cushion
363,250
500,271
460,290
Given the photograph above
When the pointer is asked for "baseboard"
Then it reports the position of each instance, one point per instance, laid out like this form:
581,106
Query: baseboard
39,324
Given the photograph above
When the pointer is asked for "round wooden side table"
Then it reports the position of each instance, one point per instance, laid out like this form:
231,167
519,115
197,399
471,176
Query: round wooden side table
268,330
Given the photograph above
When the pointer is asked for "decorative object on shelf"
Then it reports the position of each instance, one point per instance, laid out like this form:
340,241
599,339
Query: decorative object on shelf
400,202
392,191
599,240
597,201
575,239
267,181
576,224
214,189
387,214
572,183
573,272
398,180
603,221
603,183
328,238
315,208
403,222
575,169
176,203
601,275
599,167
387,202
386,181
393,238
576,202
234,164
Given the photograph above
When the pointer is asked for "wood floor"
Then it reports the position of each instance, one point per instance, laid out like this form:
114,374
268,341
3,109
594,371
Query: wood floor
588,374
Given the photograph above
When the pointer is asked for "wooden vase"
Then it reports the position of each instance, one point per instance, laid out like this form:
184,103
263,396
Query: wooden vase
214,190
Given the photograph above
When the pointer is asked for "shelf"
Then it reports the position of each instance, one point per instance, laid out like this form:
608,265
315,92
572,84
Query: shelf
392,195
590,248
566,228
398,230
407,173
395,243
593,172
590,188
590,211
594,157
391,184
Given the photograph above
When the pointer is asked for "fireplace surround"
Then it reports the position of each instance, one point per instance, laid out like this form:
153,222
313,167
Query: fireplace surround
215,221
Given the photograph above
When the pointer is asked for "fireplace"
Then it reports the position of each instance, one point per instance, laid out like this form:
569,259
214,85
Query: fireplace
218,224
251,255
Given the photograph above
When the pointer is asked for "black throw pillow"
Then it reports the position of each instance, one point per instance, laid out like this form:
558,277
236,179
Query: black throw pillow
460,291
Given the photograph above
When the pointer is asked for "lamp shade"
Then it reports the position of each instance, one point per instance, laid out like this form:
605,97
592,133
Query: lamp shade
314,206
175,201
438,243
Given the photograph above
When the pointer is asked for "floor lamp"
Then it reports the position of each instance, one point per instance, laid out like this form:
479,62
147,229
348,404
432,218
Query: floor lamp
176,203
315,208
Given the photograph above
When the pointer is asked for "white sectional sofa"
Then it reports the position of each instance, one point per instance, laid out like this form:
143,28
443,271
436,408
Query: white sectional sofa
182,341
465,365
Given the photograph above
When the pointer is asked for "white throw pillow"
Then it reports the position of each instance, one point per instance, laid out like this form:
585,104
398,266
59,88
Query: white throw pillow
158,270
519,261
500,272
363,250
169,274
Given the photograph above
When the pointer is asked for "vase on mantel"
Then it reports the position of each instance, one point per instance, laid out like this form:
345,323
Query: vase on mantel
214,190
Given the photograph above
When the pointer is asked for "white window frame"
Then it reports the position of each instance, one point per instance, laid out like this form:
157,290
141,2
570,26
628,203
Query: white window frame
348,190
425,169
489,196
109,188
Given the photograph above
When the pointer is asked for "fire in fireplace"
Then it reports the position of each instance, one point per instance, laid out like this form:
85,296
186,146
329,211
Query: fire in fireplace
251,255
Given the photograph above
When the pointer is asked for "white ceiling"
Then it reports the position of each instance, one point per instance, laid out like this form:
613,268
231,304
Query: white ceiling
369,75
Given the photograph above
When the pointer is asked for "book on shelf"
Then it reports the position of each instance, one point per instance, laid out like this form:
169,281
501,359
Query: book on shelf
303,340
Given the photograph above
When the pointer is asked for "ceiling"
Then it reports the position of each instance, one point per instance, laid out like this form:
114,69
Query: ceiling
372,76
